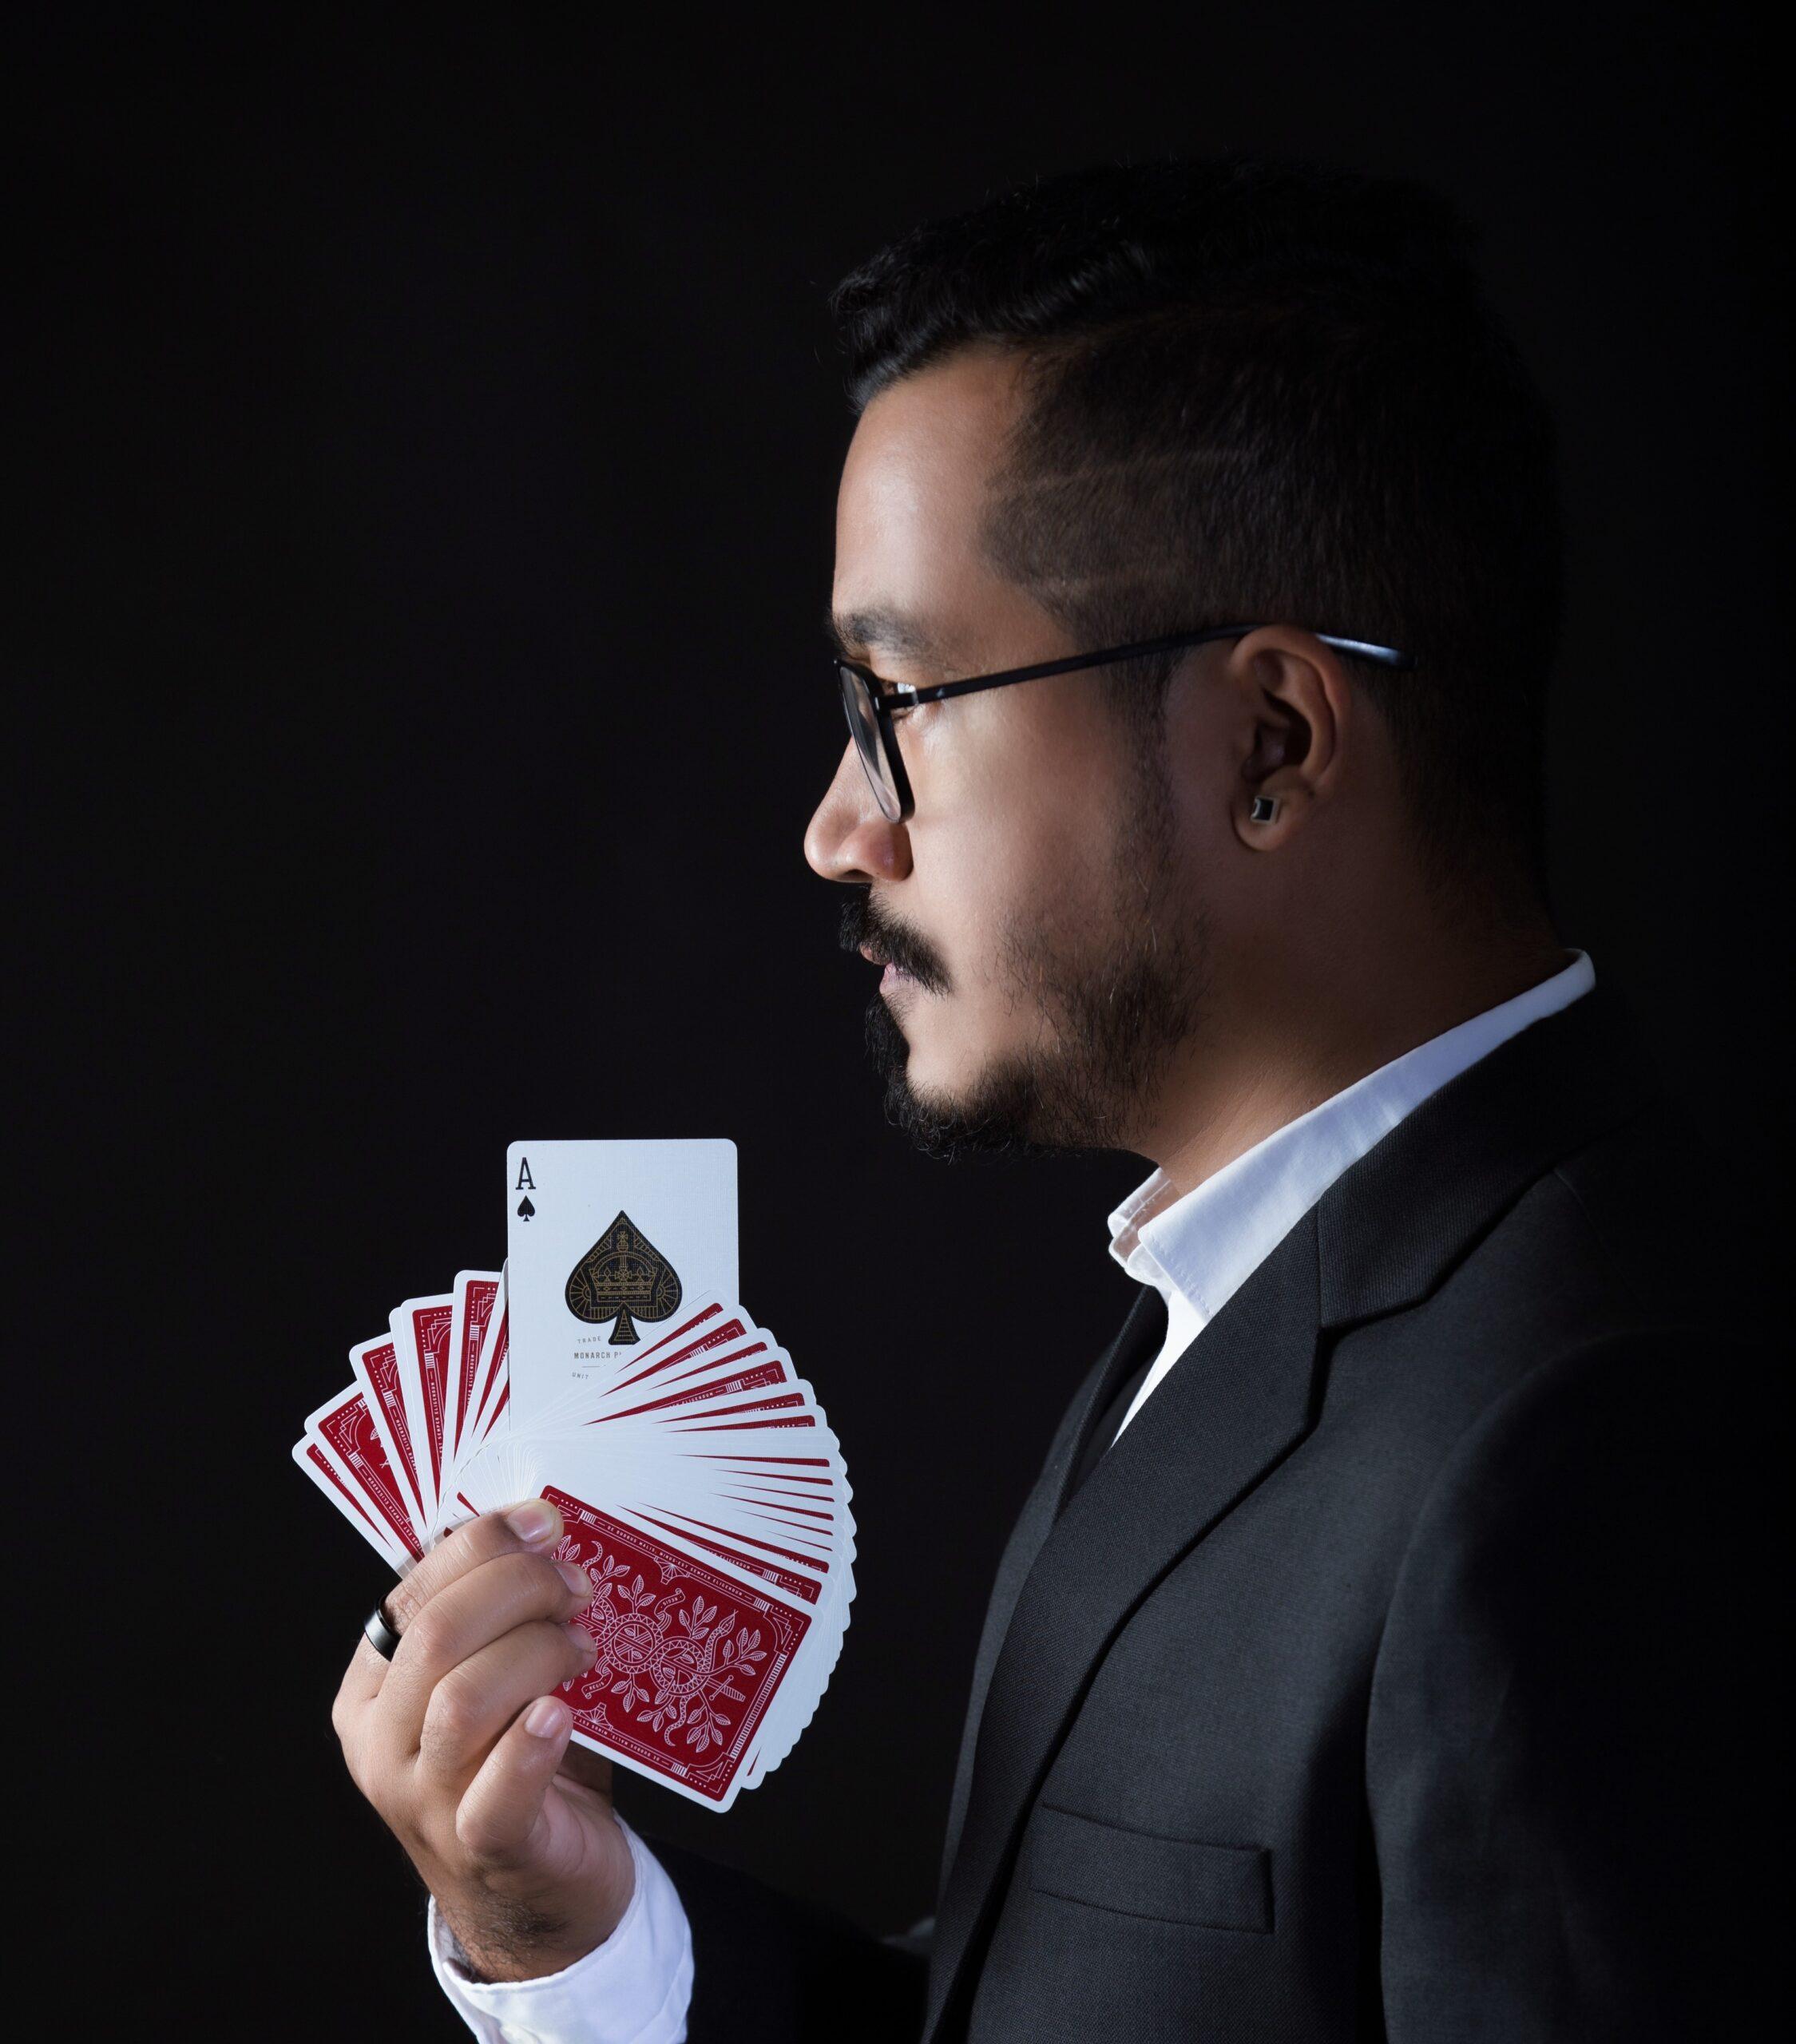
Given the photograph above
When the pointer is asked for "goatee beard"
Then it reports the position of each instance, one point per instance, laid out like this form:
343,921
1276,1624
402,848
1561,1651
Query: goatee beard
1116,1018
1117,1034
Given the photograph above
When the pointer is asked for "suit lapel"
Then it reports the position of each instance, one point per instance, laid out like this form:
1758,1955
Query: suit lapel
1237,1402
1393,1225
1152,1496
1125,1351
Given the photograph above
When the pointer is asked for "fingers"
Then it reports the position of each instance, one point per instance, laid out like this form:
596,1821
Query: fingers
360,1686
500,1820
477,1699
477,1609
376,1734
533,1527
587,1769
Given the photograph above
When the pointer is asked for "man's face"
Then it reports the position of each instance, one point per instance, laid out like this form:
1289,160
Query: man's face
1045,954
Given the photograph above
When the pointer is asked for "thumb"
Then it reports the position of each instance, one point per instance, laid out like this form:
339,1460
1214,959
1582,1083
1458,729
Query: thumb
588,1769
502,1820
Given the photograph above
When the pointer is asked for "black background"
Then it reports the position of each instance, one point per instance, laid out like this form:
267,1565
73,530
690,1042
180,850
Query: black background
431,444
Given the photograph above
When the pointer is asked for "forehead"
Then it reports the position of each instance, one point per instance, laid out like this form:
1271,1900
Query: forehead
915,480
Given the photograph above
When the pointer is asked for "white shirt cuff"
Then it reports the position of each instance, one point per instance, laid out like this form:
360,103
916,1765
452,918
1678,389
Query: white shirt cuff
633,1989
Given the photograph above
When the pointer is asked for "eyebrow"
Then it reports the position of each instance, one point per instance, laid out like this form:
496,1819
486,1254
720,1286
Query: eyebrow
881,626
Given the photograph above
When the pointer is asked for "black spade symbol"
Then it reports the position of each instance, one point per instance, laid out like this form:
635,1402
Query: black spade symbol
525,1209
623,1275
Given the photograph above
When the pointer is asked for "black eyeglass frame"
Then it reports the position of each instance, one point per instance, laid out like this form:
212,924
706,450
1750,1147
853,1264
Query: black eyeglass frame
885,696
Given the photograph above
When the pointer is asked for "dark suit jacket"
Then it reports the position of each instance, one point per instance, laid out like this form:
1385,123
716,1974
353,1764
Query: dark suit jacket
1393,1676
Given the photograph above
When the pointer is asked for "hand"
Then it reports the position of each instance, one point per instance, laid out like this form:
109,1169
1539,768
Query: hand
457,1745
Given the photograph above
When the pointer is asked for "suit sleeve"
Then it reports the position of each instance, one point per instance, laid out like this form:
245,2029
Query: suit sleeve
769,1969
1565,1734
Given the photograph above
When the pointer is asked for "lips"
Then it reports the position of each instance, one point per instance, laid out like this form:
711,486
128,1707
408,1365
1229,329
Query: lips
890,969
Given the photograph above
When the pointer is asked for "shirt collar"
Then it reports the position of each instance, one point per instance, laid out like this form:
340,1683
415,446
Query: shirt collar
1197,1249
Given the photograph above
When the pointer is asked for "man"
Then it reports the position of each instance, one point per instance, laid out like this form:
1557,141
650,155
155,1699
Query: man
1359,1667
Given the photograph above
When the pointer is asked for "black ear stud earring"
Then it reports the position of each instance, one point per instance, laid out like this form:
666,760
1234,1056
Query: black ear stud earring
1265,808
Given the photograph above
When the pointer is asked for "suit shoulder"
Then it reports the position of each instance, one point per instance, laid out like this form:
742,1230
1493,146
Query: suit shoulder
1682,1235
1609,1253
1631,1233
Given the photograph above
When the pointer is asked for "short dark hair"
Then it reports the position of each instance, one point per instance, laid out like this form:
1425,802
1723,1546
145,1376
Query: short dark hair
1272,391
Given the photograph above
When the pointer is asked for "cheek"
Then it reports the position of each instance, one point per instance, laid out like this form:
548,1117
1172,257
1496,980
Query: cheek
1020,879
1014,834
966,888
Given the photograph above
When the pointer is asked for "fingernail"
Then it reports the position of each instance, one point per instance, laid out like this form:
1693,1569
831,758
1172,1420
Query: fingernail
535,1524
576,1578
544,1719
584,1641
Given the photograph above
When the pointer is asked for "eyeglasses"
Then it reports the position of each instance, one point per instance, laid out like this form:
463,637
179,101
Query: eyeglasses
872,702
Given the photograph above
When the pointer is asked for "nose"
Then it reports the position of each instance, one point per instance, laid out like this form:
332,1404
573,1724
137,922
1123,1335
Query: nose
848,837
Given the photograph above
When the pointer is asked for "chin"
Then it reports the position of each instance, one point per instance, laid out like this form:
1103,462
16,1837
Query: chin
934,1064
911,1045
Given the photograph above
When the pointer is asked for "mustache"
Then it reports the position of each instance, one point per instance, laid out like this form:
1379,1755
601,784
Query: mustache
865,921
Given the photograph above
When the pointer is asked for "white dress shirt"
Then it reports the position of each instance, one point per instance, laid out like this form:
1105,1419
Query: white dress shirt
633,1989
1195,1251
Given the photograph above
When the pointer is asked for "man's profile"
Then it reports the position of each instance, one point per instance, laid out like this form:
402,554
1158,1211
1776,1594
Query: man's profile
1350,1673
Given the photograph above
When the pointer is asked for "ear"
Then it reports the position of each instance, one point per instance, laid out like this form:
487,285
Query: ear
1294,705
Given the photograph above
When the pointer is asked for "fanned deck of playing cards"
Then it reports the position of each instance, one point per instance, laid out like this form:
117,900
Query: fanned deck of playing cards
610,1370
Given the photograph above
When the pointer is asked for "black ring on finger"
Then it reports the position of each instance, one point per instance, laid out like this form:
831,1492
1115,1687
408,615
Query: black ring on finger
380,1635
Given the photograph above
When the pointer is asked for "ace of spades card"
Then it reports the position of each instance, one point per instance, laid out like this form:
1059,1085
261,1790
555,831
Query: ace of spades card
605,1240
610,1370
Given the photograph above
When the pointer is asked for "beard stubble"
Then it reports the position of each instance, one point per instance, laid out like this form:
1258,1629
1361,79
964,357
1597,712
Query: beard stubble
1113,1008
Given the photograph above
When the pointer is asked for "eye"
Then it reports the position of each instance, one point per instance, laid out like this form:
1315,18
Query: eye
902,707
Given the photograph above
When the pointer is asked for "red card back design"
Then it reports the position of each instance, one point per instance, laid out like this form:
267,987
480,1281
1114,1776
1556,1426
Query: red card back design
337,1483
382,1367
429,1329
348,1428
497,1369
482,1293
689,1659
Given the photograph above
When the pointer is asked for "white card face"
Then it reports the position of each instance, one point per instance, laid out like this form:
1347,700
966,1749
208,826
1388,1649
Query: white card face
606,1240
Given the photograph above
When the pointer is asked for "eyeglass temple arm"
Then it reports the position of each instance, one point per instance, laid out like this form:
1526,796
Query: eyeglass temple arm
903,693
1387,656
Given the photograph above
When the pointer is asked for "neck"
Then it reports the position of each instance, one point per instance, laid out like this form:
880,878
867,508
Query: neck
1284,1040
